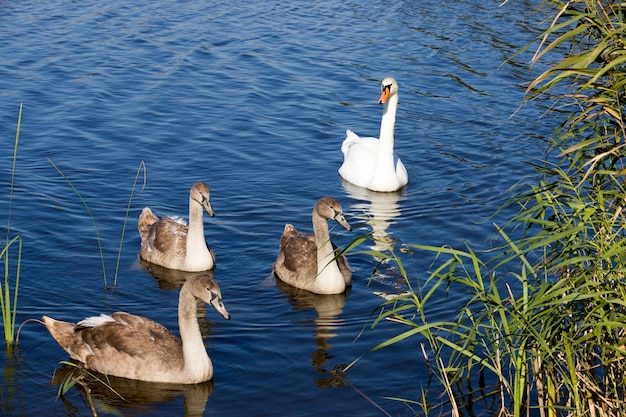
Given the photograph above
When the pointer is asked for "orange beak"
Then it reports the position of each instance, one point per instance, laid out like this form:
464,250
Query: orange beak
384,95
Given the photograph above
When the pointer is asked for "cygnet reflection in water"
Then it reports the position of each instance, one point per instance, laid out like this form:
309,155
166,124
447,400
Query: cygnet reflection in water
328,308
133,396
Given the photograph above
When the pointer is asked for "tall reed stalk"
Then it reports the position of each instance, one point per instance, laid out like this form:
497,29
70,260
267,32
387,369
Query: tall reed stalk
8,306
95,225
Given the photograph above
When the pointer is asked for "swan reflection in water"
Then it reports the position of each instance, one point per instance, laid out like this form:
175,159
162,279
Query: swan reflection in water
380,211
328,309
112,394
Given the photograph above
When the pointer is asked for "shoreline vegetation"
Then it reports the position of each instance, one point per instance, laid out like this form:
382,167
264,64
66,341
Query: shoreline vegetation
543,331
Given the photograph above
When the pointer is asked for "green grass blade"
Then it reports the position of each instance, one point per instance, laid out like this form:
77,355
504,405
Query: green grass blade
132,193
93,219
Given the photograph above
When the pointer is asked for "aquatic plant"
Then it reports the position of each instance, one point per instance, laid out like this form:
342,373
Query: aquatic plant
75,373
8,307
544,326
95,225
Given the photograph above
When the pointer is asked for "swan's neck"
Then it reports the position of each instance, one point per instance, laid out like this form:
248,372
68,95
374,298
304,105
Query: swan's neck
384,173
198,367
329,279
196,244
387,124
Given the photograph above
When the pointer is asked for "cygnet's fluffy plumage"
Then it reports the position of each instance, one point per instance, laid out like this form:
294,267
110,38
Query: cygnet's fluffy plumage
134,347
171,243
311,262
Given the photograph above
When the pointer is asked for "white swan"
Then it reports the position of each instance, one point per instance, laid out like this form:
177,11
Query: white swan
134,347
310,262
170,243
371,162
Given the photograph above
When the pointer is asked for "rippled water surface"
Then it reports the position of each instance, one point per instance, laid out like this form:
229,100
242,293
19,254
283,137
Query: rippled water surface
254,98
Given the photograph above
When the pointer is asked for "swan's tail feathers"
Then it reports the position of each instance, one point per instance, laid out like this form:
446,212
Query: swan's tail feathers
61,331
288,232
146,219
68,336
350,139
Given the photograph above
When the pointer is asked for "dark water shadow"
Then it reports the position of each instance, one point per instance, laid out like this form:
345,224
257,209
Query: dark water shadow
121,396
328,309
169,279
12,398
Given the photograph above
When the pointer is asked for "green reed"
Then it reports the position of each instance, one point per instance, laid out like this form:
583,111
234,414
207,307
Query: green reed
549,334
95,225
8,307
76,373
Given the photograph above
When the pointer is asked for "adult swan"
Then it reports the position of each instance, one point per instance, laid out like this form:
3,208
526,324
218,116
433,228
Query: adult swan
371,162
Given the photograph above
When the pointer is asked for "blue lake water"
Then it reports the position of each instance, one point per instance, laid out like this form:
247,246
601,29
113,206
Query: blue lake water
254,98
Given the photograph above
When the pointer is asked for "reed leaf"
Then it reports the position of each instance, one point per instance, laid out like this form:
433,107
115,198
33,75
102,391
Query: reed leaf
141,167
91,216
8,307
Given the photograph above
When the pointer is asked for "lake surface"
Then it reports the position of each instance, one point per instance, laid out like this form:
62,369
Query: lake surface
254,98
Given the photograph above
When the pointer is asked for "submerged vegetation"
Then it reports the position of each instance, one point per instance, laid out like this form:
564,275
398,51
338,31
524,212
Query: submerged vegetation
543,330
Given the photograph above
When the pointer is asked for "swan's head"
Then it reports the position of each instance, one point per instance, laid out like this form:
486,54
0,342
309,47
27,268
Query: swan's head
329,208
204,287
388,88
200,193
